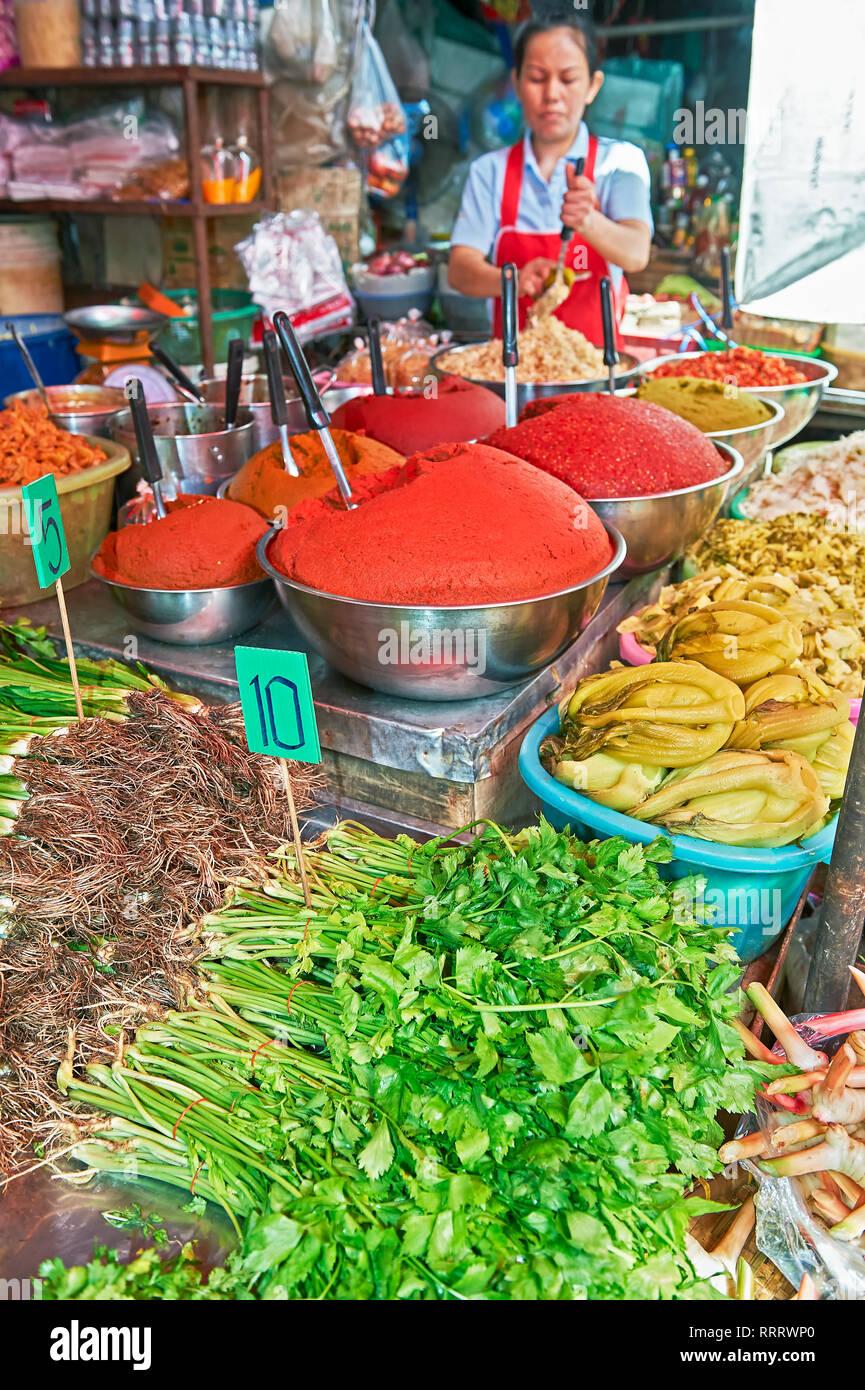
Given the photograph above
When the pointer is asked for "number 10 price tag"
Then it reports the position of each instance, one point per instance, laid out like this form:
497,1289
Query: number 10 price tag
279,718
50,555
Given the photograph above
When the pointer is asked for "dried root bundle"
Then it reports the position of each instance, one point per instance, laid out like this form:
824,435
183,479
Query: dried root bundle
129,834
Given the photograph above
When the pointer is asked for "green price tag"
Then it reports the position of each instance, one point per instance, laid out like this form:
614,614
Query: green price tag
276,697
45,524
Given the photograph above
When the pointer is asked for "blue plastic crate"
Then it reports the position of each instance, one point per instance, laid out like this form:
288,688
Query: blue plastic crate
51,345
752,890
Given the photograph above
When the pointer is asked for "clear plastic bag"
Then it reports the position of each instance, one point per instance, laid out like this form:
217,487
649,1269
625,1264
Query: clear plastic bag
387,167
793,1237
293,264
305,39
375,112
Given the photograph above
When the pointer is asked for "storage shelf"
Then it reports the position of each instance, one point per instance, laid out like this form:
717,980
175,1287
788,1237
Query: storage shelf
134,208
127,77
191,80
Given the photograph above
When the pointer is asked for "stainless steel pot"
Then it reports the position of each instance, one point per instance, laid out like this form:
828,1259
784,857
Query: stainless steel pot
255,397
195,449
89,409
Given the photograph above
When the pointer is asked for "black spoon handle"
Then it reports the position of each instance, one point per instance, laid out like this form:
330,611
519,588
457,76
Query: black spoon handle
275,383
611,356
316,415
175,370
379,385
510,355
579,165
726,291
233,376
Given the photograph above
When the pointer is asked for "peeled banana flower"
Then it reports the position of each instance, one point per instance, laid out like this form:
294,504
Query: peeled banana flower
790,706
737,639
832,759
758,800
666,714
610,781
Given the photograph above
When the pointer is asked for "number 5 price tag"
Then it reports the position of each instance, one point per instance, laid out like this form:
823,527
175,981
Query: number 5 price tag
45,524
279,717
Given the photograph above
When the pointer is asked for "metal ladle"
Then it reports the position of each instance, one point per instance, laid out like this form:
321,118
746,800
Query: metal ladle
30,365
147,454
316,415
510,349
278,407
611,356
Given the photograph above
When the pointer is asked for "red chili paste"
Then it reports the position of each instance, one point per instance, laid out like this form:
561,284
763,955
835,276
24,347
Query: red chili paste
203,543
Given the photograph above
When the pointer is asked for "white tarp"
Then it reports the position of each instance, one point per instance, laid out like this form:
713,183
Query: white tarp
801,251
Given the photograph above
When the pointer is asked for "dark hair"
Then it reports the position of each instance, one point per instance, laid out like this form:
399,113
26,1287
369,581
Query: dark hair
579,24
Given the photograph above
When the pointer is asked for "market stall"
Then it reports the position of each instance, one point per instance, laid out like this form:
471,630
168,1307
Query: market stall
429,759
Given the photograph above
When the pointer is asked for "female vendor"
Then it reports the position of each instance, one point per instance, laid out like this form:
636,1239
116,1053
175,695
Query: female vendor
516,200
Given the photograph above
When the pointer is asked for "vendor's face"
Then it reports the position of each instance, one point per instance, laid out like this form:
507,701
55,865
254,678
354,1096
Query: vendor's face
554,85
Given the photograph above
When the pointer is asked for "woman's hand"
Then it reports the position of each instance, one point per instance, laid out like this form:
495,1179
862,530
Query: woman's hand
579,201
532,277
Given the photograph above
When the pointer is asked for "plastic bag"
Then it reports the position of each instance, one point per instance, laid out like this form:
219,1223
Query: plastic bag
292,264
375,113
387,167
304,37
792,1236
406,347
307,117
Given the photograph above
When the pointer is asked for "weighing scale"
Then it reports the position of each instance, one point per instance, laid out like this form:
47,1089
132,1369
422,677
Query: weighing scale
113,334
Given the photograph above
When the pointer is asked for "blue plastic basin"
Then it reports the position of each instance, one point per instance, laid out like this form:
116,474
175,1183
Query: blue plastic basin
753,890
52,347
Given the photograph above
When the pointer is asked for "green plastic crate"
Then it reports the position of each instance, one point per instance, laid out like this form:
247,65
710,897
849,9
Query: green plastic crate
234,314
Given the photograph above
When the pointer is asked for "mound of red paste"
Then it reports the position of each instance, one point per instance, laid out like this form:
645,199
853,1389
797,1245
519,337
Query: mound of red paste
414,421
611,446
203,543
465,524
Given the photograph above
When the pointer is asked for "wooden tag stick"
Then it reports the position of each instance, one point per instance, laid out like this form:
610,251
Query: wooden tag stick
67,637
295,830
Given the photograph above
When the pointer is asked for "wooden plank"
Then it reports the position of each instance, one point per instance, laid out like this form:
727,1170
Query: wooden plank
129,77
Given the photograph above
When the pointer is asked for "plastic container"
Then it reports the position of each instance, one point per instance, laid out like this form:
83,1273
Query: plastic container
233,317
788,1232
85,505
30,280
52,347
48,33
752,890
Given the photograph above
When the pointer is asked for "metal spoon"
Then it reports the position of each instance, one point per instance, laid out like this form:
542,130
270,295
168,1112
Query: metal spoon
510,349
147,454
611,357
278,408
30,365
186,384
316,415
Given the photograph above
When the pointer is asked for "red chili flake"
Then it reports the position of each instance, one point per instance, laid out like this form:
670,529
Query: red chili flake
748,366
611,446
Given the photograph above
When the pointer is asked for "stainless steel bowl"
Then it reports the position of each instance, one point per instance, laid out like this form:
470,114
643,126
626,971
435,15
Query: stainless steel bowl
255,397
440,653
659,528
195,449
531,390
94,407
800,401
753,442
191,617
118,322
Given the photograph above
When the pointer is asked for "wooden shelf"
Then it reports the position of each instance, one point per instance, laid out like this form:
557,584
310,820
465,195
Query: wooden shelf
134,208
127,77
191,80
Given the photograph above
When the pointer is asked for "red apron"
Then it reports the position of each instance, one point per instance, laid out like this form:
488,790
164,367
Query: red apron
582,308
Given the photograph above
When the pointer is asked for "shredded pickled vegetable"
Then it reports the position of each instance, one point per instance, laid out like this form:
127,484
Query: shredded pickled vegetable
31,445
